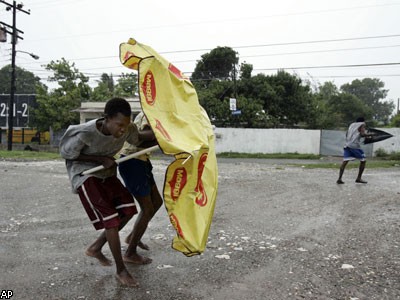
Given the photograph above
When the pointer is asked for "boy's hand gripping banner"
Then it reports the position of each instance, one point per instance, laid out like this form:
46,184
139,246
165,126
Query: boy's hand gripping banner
182,129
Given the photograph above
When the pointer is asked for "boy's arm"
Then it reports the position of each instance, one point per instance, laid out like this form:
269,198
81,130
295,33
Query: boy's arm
147,137
105,161
141,138
362,131
146,134
71,149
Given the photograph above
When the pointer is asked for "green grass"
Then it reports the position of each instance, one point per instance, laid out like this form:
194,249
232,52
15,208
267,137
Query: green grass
371,164
388,161
271,156
315,161
28,155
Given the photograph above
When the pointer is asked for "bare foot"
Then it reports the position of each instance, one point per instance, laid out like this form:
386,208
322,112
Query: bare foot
126,279
143,246
140,244
128,239
137,259
100,257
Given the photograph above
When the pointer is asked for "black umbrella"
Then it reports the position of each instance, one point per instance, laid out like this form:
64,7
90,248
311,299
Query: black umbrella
376,135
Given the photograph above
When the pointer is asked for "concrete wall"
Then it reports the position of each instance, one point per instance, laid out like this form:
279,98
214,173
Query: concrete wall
246,140
324,142
332,142
389,145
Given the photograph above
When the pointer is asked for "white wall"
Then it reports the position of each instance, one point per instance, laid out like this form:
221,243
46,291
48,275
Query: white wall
247,140
392,144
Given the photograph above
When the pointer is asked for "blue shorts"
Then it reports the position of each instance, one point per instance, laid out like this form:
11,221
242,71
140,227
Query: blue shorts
137,175
352,154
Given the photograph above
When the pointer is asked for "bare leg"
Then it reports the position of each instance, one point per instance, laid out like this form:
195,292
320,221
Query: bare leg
139,228
157,201
341,171
112,235
149,205
360,172
94,250
140,244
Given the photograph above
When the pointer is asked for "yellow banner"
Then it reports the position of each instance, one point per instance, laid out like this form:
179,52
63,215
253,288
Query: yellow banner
182,129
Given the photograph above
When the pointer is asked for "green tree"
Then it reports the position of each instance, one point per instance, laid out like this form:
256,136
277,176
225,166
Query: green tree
55,108
345,108
126,85
218,64
245,70
104,89
252,113
395,121
215,101
371,91
256,91
25,81
286,101
325,116
328,90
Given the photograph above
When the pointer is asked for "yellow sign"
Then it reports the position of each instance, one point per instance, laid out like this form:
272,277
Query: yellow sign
182,129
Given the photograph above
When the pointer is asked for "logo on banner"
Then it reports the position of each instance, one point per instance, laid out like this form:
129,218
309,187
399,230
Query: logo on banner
175,222
176,71
178,182
162,130
149,88
202,198
134,64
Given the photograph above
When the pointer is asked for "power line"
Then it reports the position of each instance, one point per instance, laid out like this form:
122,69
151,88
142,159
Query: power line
320,41
350,76
95,75
261,55
40,5
84,71
289,43
328,67
320,51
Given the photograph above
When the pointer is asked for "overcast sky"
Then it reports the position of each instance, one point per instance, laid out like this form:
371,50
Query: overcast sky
299,36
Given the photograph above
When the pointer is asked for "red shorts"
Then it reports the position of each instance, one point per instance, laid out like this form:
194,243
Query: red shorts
106,201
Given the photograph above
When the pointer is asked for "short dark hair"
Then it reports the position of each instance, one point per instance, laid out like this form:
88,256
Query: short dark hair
360,119
117,105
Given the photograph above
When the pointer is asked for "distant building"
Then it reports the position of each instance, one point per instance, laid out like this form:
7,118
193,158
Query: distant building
93,110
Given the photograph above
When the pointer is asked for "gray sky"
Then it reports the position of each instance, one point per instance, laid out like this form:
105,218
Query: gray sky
299,36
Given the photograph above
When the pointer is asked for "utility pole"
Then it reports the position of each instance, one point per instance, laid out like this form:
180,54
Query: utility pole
234,80
14,36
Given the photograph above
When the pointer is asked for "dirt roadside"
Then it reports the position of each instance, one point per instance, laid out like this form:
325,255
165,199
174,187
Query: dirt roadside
279,232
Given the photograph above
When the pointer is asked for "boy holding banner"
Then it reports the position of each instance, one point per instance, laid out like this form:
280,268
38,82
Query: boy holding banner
107,202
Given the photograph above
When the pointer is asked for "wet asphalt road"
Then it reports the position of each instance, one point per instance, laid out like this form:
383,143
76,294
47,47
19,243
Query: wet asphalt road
279,232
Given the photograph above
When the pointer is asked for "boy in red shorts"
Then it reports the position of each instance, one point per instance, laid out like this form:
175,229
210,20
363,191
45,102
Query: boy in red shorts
107,202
